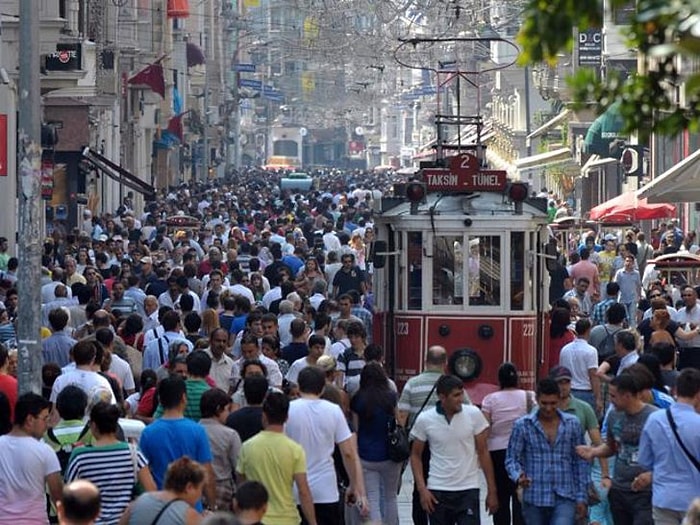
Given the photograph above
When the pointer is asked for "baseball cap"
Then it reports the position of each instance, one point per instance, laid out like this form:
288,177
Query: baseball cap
560,373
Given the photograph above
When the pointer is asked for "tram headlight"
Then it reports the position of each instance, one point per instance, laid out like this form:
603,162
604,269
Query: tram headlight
465,364
518,191
415,191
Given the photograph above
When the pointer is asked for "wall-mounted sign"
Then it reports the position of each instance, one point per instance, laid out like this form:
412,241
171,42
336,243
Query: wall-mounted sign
590,47
67,57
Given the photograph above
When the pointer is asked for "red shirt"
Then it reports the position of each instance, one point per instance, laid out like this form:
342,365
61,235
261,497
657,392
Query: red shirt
8,386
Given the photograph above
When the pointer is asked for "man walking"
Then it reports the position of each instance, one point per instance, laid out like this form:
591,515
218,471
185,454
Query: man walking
689,352
675,468
582,360
630,493
541,458
457,436
630,287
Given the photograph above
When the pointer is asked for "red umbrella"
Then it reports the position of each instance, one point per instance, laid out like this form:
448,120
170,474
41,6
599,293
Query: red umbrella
629,207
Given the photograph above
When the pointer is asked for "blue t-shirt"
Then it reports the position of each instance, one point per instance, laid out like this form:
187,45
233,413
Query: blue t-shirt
372,433
166,440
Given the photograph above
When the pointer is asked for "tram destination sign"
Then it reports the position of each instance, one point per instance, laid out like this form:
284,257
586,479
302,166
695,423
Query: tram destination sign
447,180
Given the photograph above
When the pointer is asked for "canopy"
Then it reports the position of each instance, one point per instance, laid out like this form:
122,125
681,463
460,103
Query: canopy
630,207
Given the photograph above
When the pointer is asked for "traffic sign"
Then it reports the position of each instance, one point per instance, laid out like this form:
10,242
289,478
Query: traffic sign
446,180
464,164
244,68
250,83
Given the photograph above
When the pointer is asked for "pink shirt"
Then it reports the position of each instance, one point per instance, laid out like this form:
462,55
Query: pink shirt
503,408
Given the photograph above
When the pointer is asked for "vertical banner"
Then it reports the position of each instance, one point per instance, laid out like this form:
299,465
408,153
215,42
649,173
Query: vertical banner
47,166
3,145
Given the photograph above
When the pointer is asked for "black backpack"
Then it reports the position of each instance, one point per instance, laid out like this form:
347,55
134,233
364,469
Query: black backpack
606,348
66,449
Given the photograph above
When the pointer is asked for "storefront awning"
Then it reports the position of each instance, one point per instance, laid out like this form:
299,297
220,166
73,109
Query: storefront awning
680,183
551,123
119,174
548,158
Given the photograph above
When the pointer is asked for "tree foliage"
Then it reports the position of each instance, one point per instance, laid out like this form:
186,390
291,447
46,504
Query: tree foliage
666,33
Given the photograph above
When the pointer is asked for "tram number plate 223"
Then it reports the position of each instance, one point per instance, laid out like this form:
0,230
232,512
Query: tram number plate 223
401,328
528,329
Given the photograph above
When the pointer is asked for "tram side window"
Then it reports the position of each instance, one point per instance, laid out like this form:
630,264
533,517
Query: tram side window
517,270
415,270
484,270
448,270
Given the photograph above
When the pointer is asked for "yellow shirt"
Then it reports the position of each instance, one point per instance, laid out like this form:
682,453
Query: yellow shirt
273,459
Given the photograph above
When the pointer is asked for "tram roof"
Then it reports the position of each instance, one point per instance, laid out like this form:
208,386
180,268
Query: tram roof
476,205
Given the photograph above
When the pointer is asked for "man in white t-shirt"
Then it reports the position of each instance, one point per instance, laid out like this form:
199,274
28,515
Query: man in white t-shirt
28,465
84,375
582,360
457,435
318,425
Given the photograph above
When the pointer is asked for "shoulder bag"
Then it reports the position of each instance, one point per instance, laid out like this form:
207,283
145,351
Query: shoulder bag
398,446
671,422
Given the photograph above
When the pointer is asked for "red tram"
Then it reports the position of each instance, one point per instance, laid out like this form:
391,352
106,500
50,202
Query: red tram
463,266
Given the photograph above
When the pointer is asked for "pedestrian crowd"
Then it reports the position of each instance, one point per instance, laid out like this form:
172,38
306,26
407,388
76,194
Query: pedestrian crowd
211,360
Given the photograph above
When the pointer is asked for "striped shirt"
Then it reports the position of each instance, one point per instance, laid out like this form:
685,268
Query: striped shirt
111,469
415,393
351,364
195,388
416,390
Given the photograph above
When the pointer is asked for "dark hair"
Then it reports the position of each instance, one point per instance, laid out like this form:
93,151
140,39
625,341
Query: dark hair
170,391
651,362
254,389
249,339
688,382
58,319
29,404
612,288
84,352
198,363
508,375
373,353
132,325
297,327
665,352
251,495
547,387
148,379
4,354
170,320
213,401
192,321
582,325
71,402
626,339
253,362
311,380
181,472
626,382
276,407
104,336
356,328
318,340
186,302
374,391
106,417
616,313
447,383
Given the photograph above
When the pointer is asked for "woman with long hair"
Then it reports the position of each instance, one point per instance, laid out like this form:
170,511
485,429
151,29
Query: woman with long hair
373,410
257,286
210,321
501,409
184,482
309,275
559,334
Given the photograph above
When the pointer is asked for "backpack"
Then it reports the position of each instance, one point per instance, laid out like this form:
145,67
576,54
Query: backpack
607,347
66,449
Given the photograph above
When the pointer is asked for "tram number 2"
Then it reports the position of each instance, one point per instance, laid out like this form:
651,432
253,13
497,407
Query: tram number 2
528,330
401,328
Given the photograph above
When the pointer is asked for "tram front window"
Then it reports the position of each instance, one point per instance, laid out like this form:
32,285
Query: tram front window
483,270
448,270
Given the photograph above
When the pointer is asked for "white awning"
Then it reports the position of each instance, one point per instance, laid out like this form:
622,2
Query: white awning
551,123
548,158
680,183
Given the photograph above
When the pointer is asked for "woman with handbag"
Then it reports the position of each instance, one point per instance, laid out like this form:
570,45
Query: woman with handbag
501,409
373,411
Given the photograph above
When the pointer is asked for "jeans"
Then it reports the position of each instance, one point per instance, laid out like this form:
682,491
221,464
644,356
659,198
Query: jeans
506,492
562,513
381,482
460,507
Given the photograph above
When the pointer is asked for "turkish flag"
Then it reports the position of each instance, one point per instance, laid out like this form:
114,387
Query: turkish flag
175,126
151,76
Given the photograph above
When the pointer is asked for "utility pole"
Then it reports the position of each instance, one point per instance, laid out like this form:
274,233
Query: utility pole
205,114
30,205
